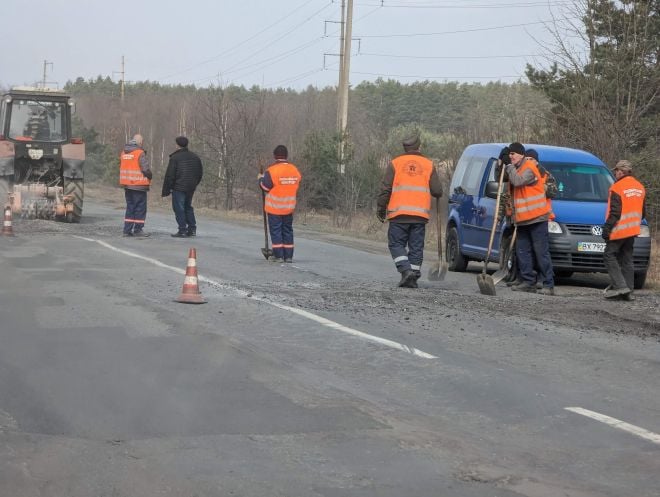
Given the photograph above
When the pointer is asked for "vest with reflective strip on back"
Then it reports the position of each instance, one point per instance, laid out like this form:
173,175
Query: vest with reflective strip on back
411,194
130,173
530,201
281,199
632,195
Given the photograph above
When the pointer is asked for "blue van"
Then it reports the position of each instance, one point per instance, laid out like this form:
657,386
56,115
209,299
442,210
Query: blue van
583,181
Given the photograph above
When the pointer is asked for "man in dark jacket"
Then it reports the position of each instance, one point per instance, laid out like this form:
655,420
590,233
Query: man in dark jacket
184,173
405,201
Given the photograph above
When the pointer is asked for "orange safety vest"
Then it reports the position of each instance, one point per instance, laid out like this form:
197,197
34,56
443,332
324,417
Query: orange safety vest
632,195
130,173
281,199
411,194
530,201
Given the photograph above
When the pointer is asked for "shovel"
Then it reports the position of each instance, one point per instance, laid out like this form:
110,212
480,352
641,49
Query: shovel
266,251
439,270
484,280
504,271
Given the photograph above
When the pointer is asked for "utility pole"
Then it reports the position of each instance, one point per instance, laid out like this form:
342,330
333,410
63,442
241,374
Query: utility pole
123,75
43,81
344,72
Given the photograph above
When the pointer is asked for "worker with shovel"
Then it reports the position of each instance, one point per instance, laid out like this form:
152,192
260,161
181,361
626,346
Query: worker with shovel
531,214
280,183
405,201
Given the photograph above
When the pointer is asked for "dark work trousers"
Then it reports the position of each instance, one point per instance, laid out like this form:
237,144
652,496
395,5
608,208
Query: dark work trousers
281,235
184,212
136,210
618,258
533,243
406,244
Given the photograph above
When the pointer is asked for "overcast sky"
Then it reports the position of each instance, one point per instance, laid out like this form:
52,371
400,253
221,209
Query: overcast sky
272,42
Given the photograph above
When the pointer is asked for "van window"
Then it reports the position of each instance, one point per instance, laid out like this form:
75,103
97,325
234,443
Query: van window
474,175
459,172
580,181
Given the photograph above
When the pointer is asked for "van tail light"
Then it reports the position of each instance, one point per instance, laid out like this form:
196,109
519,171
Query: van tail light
2,138
77,141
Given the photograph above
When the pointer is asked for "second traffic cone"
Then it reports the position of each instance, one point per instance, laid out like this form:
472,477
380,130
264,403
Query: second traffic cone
190,293
7,229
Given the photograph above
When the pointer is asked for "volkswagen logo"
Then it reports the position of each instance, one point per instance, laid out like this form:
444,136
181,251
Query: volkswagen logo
597,230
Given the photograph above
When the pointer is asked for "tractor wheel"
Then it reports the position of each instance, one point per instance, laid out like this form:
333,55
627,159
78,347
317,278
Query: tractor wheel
76,188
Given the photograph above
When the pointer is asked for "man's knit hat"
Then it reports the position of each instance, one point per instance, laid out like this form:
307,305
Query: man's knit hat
412,143
517,148
280,152
181,141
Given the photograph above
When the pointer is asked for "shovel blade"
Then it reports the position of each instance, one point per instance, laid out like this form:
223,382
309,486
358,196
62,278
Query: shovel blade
499,275
267,252
486,284
438,271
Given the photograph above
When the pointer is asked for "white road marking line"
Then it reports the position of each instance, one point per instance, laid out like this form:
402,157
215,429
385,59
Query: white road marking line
318,319
617,423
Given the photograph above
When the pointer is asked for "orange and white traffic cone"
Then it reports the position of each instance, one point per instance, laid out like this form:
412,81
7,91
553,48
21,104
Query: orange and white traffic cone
190,293
7,230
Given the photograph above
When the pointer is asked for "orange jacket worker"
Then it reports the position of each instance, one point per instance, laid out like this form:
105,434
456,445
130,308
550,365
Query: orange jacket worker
625,211
405,201
280,182
135,176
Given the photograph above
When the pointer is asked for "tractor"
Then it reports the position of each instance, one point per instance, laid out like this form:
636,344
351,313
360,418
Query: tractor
41,164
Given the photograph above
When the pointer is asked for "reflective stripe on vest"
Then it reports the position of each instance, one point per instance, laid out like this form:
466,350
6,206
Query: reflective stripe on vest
411,194
281,199
529,200
130,173
632,195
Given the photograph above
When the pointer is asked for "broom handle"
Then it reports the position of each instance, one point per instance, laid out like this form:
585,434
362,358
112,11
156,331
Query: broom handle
495,214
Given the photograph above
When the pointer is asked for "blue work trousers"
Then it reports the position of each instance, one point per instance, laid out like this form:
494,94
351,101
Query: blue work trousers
281,235
534,243
406,244
183,211
136,210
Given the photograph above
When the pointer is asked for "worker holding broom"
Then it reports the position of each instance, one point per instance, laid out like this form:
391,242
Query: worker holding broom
405,201
280,182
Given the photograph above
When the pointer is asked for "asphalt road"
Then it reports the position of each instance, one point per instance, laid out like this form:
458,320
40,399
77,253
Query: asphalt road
317,378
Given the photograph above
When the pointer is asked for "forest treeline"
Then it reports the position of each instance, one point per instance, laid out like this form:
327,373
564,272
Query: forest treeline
604,101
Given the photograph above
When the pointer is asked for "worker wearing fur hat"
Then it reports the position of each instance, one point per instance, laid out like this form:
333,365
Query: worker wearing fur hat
625,211
405,201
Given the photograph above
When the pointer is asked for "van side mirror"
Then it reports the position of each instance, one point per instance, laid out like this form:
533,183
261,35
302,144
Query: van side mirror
492,188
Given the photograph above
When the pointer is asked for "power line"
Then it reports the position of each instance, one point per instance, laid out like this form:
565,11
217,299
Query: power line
383,75
462,5
457,57
234,47
459,31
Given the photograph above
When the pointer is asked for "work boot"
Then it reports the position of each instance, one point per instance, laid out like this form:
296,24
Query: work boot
272,258
524,287
180,234
192,231
514,283
289,260
141,234
126,235
612,293
546,291
408,279
628,297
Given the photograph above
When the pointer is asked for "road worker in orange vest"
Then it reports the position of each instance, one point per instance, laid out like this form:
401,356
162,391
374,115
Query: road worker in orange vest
532,210
625,211
280,182
135,176
409,182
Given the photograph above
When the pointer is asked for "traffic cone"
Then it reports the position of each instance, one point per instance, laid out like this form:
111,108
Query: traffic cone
7,230
190,293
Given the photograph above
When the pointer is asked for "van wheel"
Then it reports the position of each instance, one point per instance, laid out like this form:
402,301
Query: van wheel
640,279
455,260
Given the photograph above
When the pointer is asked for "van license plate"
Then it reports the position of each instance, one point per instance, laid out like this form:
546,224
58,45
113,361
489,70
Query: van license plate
591,247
